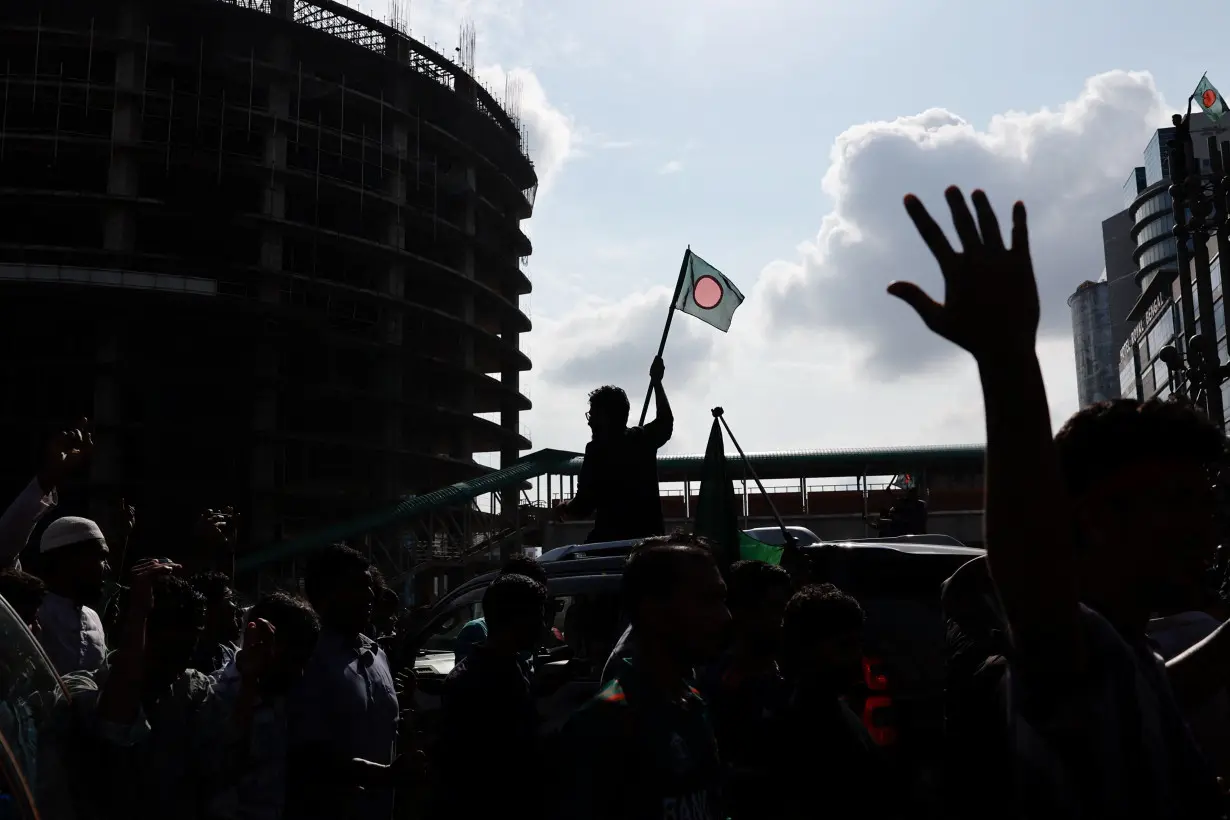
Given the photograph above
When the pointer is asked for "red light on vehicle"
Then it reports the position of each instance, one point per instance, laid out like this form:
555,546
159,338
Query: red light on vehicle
877,709
875,680
882,735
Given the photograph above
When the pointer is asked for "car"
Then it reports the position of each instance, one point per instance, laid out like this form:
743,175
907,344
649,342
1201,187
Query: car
773,536
897,581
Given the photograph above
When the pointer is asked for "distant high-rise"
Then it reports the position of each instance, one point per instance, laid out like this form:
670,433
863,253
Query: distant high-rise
1096,371
1120,273
1153,319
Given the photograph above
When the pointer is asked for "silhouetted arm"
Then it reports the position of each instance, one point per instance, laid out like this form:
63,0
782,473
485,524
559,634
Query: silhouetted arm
662,427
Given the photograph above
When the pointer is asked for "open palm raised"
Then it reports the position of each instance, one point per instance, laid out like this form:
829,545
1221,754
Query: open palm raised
990,303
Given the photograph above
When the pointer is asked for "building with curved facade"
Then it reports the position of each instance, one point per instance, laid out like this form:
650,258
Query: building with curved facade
271,247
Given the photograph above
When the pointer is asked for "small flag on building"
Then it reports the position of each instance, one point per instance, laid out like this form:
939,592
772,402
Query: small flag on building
1210,100
706,293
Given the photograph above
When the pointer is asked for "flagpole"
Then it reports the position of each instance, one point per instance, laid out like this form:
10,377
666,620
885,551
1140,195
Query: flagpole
719,414
670,315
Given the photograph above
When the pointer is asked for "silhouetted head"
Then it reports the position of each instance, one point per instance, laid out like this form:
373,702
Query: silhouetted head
172,629
822,639
756,595
513,608
338,583
676,598
608,411
524,565
222,621
296,628
74,558
1141,478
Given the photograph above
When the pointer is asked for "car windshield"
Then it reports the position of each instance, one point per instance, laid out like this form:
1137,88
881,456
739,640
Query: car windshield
35,712
442,636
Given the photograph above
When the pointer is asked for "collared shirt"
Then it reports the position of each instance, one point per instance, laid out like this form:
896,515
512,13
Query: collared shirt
638,756
169,750
19,519
73,636
252,765
345,705
214,658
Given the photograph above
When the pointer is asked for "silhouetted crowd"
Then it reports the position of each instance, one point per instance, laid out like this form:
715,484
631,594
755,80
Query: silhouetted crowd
1087,655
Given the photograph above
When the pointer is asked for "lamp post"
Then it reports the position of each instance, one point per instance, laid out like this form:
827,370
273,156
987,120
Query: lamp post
1200,206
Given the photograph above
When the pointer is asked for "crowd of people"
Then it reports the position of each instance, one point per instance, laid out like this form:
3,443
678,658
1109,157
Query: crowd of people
1087,656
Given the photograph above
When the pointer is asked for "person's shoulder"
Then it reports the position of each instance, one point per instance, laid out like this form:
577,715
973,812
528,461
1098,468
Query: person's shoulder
604,714
476,626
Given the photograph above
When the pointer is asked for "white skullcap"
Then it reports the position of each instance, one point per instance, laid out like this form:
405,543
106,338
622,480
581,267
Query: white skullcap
69,530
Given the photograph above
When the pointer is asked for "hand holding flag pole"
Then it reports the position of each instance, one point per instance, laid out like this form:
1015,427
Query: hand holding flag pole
703,291
670,315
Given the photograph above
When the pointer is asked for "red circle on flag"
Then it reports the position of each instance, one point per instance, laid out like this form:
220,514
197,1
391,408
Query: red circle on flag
1208,98
707,292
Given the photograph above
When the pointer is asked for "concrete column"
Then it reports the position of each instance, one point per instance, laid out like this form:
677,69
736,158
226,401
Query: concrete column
263,519
395,140
462,445
123,173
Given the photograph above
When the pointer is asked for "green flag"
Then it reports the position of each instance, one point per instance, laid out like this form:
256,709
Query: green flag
706,293
752,550
1210,100
716,516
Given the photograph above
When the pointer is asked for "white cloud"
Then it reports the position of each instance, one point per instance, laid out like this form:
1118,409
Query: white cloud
819,355
551,132
1068,166
672,167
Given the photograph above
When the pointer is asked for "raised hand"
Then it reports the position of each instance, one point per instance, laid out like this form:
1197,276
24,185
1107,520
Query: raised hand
990,303
66,452
657,370
254,660
216,529
142,578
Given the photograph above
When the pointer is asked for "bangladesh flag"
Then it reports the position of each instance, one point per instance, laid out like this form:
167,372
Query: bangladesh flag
706,293
1210,100
717,511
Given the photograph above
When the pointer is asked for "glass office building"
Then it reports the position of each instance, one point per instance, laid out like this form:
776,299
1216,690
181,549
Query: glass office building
1096,376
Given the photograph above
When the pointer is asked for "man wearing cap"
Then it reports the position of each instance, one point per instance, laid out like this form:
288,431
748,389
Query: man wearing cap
74,554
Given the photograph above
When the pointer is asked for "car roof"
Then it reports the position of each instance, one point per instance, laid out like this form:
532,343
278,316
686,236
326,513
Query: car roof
909,544
579,563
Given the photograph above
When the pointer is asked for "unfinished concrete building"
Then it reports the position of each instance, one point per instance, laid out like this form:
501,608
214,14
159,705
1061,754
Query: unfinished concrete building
272,248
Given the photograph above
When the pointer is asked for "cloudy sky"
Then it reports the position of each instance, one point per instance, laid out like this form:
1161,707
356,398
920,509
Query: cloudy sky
777,137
